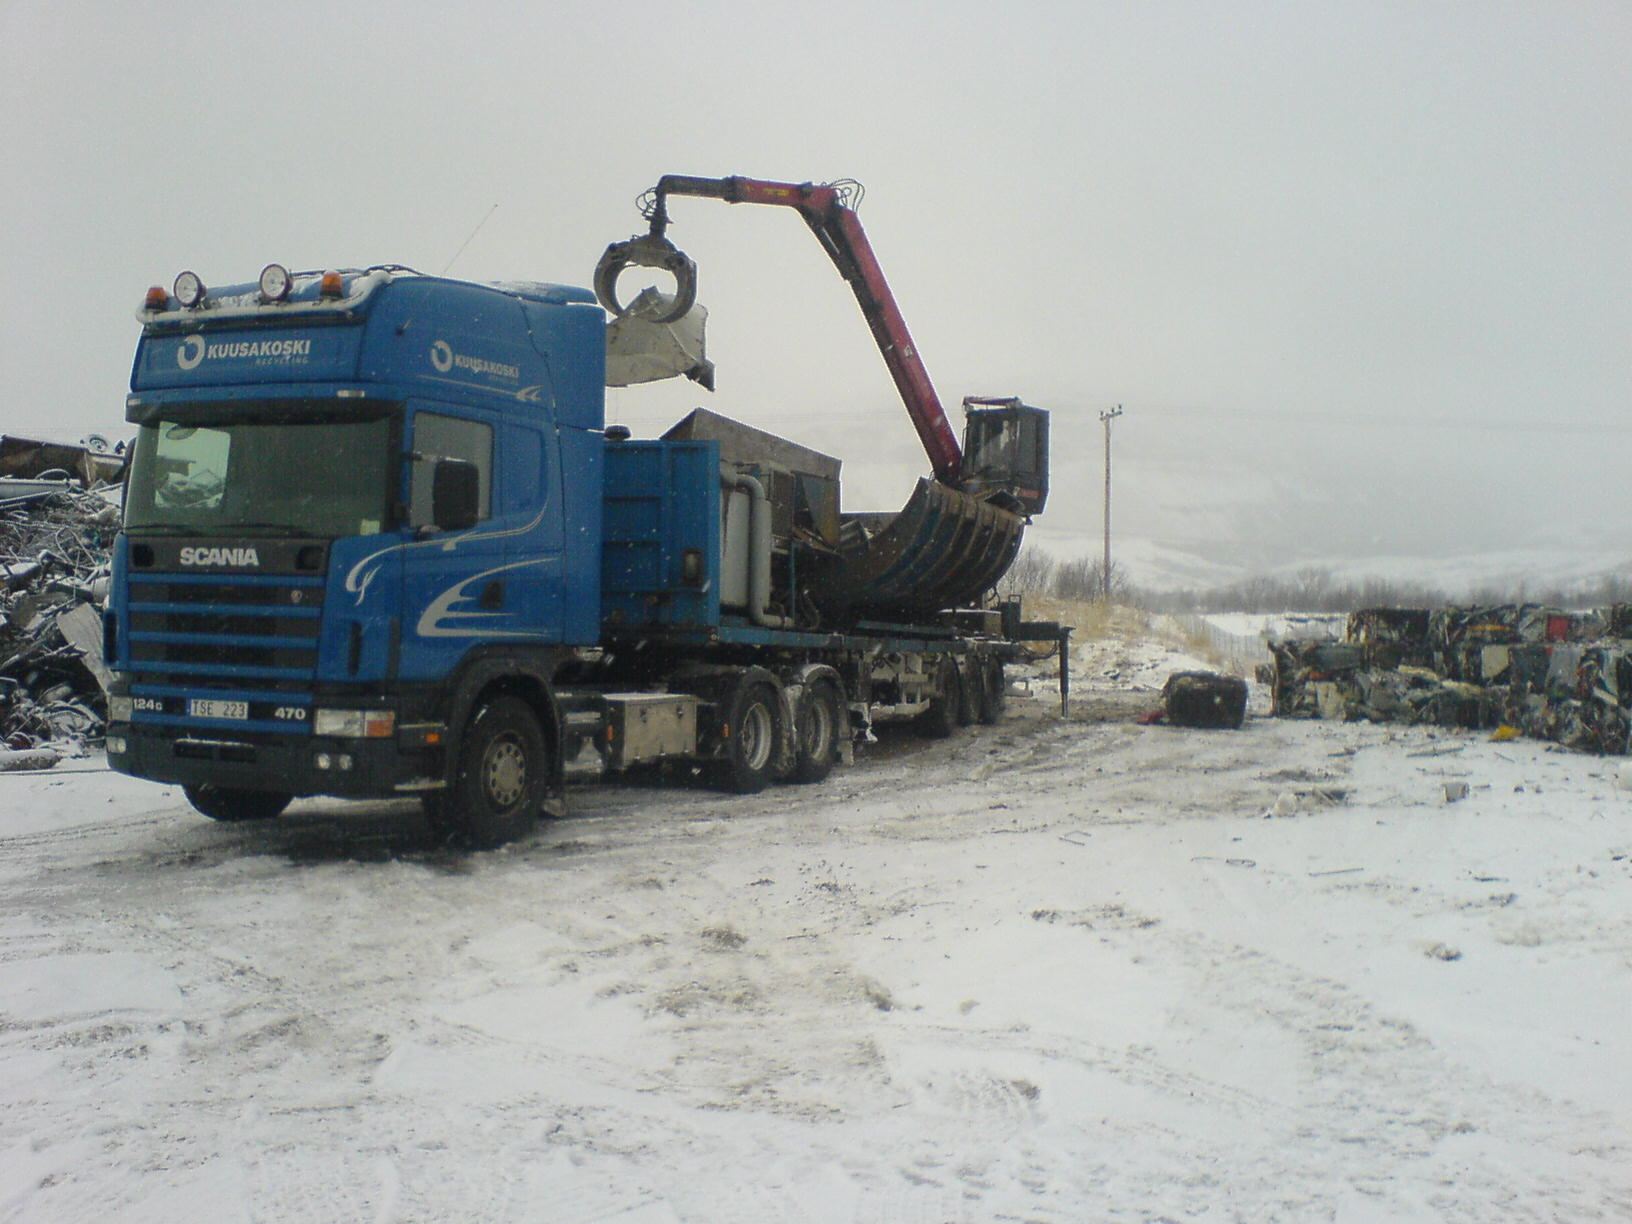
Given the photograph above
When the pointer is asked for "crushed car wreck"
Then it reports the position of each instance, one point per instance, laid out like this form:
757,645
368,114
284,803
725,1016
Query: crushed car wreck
1548,673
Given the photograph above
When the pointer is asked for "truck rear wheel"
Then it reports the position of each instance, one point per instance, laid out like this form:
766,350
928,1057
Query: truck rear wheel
993,691
229,803
821,721
941,719
968,693
753,734
498,785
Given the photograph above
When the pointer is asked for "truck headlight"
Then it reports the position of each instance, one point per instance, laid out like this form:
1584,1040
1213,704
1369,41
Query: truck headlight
121,709
355,724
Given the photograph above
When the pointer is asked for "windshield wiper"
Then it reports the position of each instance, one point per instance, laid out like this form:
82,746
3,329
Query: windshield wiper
162,529
288,529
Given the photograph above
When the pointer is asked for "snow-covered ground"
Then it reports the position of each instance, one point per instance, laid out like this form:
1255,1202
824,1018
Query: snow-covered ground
1054,970
1280,625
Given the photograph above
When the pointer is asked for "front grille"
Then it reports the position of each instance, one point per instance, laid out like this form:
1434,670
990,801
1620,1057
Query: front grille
277,591
219,623
221,652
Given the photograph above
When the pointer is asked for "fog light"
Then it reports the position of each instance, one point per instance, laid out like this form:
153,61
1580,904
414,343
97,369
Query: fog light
121,709
189,289
322,761
343,761
275,282
117,746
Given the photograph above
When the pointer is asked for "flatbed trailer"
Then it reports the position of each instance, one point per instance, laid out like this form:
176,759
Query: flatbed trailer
379,540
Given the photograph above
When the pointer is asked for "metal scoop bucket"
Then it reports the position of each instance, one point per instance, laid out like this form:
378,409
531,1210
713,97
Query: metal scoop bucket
945,549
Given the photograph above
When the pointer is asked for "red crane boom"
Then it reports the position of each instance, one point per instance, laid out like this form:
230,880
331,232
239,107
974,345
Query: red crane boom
838,229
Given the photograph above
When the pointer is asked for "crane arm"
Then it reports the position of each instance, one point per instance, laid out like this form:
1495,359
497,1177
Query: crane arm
838,229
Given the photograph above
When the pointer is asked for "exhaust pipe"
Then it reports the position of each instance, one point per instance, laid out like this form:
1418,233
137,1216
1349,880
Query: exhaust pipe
759,553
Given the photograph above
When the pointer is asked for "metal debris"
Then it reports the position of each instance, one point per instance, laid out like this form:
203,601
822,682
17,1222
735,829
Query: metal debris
1204,699
12,760
59,513
1564,676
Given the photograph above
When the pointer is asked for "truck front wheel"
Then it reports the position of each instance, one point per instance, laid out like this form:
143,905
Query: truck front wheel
498,786
232,804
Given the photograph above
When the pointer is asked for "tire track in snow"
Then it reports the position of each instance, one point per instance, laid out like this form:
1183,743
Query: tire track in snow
1374,1096
757,1044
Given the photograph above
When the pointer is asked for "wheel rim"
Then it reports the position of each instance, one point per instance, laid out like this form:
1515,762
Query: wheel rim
504,772
818,729
754,736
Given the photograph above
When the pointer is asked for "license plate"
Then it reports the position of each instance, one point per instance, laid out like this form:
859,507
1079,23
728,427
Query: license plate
200,708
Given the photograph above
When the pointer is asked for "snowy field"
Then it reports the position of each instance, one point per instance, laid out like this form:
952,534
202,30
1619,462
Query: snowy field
1056,970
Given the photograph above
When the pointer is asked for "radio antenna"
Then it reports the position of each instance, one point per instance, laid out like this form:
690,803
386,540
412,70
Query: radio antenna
468,241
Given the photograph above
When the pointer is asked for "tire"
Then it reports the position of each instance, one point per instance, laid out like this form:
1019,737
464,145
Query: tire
228,803
822,720
498,785
968,693
941,719
993,692
752,734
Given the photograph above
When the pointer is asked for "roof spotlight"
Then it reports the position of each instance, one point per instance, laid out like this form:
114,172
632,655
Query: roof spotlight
275,282
189,289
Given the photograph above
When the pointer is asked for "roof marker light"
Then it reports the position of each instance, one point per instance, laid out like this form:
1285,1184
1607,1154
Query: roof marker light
156,299
275,282
189,289
332,285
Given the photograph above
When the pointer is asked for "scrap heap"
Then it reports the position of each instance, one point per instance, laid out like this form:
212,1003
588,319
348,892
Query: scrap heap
1551,674
59,513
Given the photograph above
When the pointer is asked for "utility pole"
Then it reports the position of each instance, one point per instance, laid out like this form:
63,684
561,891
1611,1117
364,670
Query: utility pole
1105,573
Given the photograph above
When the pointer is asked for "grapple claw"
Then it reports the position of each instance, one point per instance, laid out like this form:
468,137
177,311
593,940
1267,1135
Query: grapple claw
647,251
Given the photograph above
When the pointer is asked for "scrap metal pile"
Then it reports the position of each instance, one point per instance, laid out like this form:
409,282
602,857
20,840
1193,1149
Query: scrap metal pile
59,513
1546,673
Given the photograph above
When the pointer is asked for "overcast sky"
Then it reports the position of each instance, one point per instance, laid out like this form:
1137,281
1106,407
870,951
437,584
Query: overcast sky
1360,273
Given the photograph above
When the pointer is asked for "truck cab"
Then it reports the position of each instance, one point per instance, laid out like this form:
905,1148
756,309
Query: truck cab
352,501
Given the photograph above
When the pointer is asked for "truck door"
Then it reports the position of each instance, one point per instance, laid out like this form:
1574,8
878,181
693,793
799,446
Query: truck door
454,593
529,493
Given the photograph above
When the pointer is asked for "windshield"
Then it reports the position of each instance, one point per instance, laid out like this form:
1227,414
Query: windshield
213,475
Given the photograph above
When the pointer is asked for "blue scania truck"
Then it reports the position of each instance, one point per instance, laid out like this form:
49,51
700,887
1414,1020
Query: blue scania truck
380,541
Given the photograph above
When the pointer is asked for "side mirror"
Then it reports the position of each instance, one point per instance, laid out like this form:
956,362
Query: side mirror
455,494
